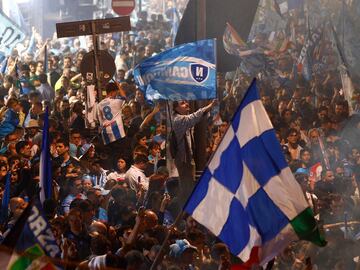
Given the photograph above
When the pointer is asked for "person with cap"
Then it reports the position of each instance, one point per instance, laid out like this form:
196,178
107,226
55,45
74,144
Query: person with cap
183,123
32,128
182,253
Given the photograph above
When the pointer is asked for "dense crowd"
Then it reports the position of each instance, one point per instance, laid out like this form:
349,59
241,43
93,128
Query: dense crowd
113,204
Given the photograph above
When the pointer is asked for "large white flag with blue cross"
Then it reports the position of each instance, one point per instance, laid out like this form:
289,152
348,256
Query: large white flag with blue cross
247,195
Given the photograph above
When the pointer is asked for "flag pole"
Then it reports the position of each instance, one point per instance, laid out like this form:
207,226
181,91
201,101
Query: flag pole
201,127
160,254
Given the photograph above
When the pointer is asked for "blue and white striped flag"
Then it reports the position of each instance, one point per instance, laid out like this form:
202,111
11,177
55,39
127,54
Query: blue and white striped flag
185,72
247,195
45,162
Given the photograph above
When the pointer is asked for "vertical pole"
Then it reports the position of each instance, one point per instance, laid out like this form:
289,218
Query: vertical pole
343,24
201,128
96,60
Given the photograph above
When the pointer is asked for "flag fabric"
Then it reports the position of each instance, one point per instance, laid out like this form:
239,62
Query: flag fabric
233,43
247,195
45,60
31,240
304,61
347,85
175,21
239,13
315,174
4,65
277,9
295,4
185,72
5,201
253,61
110,118
282,7
45,162
11,32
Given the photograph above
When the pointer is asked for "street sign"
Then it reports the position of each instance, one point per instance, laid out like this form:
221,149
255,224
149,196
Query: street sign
123,7
95,27
106,67
102,26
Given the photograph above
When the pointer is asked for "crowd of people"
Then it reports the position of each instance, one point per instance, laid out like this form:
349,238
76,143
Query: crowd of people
113,205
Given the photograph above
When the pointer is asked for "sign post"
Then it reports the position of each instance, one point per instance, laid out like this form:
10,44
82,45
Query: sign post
123,7
94,28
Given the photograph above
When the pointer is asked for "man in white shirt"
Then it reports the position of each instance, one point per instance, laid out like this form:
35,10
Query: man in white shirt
135,176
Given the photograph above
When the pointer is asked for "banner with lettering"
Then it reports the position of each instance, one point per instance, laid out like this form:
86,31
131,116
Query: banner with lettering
10,34
32,241
185,72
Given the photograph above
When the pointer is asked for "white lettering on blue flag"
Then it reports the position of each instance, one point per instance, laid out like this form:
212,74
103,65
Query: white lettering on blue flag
185,72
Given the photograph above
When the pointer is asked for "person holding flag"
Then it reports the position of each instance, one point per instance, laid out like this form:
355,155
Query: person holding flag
183,124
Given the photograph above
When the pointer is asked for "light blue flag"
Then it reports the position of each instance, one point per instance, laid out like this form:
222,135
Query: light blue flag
185,72
247,195
45,162
4,64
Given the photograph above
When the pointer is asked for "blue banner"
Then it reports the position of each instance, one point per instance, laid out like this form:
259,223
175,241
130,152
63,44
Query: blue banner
185,72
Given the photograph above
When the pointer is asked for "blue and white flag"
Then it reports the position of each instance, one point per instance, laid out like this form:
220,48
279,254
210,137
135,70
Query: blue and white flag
45,162
185,72
247,195
10,33
5,201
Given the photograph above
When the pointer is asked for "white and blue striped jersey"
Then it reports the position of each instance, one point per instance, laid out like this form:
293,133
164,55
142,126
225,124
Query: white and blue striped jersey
110,118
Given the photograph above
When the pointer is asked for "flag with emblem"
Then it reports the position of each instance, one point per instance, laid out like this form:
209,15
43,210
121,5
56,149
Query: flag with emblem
185,72
247,195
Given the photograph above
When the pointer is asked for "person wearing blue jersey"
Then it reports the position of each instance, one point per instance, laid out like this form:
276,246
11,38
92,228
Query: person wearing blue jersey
9,117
